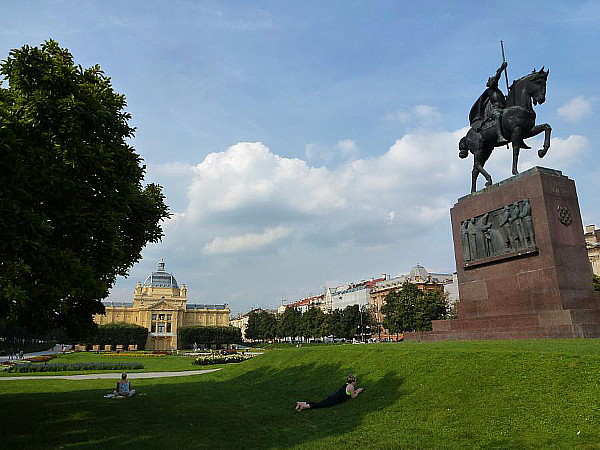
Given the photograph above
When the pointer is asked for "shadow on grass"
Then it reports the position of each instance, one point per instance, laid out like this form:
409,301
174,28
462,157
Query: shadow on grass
228,409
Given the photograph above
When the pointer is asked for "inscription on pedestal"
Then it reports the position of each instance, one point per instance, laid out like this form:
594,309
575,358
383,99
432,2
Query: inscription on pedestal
503,232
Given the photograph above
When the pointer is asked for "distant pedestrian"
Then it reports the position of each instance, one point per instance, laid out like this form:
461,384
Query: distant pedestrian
21,353
345,393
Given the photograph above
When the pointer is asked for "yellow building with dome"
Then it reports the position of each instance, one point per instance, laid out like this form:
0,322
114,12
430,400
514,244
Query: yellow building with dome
160,305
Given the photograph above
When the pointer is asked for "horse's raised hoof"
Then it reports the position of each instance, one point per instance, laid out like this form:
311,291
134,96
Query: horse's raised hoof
488,183
542,152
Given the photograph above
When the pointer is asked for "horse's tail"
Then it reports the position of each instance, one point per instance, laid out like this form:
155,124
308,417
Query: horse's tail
463,150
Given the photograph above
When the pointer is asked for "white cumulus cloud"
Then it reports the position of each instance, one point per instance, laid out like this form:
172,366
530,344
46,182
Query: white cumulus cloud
577,109
246,242
348,148
249,176
247,198
419,115
364,202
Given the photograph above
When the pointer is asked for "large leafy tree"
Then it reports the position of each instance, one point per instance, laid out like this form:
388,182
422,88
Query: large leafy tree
431,305
268,325
73,212
410,309
253,327
332,324
312,321
289,324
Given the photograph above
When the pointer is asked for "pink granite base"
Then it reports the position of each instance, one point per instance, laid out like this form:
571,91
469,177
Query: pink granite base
545,293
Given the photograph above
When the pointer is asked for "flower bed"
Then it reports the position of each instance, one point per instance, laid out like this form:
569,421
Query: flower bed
220,359
57,367
42,358
134,355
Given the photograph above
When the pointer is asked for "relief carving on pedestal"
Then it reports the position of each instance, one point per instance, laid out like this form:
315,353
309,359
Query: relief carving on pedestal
504,231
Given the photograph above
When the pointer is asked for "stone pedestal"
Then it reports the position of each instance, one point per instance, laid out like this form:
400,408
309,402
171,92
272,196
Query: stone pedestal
521,262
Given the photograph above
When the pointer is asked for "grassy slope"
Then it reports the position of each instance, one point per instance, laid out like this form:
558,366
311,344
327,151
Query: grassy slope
536,394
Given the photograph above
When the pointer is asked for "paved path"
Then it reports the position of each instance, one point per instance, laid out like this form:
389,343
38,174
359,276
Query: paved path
98,376
54,350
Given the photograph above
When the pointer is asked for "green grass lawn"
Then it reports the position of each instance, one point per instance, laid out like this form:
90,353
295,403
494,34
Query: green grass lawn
524,394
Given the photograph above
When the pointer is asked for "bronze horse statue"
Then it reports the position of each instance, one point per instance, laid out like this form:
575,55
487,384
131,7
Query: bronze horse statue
518,123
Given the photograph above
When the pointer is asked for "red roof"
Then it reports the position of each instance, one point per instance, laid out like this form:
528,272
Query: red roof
306,301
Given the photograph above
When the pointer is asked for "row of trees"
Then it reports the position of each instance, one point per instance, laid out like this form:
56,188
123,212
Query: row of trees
407,309
205,337
314,323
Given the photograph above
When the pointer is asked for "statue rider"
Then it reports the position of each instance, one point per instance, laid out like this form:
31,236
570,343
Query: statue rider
497,101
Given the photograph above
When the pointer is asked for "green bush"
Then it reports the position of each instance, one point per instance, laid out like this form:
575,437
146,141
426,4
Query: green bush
57,367
121,334
207,336
220,359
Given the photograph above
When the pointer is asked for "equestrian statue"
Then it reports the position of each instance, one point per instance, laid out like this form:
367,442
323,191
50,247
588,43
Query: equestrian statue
497,120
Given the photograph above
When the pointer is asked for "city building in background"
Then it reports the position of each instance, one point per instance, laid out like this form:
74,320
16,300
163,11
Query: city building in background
160,305
352,294
592,242
370,294
315,301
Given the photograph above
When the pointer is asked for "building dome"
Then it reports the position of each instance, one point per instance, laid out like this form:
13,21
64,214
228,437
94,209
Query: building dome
418,273
160,278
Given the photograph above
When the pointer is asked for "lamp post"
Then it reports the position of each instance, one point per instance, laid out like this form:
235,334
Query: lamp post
362,309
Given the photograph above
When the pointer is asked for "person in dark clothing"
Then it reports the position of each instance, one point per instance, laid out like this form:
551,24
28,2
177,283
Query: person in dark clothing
345,393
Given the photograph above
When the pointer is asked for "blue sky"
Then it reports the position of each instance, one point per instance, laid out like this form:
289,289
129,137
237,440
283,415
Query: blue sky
309,143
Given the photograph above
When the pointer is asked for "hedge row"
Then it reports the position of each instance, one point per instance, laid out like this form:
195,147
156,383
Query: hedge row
207,336
120,334
220,359
29,368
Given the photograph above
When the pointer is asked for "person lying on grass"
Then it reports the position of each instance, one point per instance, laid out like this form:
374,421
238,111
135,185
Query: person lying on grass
346,392
124,387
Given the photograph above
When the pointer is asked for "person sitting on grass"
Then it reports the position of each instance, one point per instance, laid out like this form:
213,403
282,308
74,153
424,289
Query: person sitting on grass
346,392
124,387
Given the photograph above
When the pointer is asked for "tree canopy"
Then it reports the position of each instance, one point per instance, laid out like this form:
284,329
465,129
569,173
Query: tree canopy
205,336
410,309
73,212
